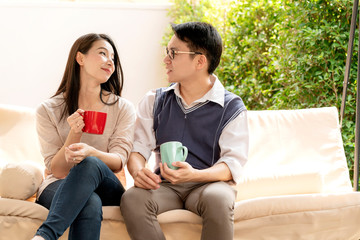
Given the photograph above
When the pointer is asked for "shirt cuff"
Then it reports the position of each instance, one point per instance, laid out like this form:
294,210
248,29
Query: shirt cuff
145,152
122,158
235,168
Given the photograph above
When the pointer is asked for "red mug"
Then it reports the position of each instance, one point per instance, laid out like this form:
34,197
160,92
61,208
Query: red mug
94,122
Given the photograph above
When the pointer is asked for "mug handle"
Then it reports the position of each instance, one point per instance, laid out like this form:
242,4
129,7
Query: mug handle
83,115
185,153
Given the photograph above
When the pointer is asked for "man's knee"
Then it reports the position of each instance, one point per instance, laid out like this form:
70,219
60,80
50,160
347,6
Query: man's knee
218,197
134,201
130,196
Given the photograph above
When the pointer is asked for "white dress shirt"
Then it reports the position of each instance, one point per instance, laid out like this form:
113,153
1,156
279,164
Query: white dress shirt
233,142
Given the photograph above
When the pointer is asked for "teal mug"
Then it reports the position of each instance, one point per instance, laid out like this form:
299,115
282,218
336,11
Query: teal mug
173,152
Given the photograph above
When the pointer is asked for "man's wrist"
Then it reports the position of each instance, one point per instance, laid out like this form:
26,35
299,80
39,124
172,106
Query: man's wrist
198,176
134,173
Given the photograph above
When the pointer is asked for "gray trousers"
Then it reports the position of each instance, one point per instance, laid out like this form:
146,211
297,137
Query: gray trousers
214,202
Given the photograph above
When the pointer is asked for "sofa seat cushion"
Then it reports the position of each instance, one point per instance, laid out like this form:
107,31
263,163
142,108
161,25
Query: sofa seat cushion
282,184
14,207
20,180
288,204
179,216
244,210
303,217
300,217
173,216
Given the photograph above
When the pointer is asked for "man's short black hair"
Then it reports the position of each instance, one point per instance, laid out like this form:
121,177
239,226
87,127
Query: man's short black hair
201,37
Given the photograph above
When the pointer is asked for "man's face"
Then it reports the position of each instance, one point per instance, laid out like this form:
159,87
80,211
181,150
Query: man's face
183,66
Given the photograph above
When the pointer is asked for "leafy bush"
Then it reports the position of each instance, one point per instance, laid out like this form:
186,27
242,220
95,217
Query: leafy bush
282,54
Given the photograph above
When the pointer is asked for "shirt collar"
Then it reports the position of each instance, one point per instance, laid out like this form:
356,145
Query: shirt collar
215,94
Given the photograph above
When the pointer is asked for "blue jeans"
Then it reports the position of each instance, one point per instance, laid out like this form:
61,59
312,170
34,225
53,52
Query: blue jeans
77,201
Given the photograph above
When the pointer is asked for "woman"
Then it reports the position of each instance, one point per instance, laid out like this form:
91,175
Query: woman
80,166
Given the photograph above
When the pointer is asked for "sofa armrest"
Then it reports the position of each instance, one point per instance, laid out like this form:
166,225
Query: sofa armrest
20,180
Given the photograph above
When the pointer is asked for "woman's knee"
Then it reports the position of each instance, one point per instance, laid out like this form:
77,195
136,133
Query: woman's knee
92,208
89,164
90,161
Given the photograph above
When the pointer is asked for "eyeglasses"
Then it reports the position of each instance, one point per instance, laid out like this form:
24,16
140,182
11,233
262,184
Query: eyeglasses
171,53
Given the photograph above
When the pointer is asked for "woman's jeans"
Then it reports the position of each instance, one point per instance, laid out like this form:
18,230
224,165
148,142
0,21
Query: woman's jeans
77,201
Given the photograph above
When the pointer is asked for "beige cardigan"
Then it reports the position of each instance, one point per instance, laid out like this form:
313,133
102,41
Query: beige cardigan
117,137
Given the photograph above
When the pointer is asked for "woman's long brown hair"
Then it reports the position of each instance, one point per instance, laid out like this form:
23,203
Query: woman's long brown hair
70,84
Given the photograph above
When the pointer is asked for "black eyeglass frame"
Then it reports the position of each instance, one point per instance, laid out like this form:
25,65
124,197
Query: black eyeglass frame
173,52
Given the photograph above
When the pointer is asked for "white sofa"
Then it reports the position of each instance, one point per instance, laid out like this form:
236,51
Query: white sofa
295,185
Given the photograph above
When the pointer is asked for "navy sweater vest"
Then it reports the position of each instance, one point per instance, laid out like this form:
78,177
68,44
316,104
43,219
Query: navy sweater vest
198,128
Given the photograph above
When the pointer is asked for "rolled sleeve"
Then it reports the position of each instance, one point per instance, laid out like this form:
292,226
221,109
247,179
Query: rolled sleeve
50,143
234,145
144,151
121,141
144,137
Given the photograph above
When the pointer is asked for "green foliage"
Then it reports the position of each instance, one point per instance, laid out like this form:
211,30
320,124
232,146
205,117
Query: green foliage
284,54
210,11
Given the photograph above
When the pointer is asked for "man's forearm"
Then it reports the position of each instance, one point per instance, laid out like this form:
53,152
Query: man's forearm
135,163
218,172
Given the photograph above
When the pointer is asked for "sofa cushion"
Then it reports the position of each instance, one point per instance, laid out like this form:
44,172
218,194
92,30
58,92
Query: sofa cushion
276,185
18,135
298,141
20,180
302,217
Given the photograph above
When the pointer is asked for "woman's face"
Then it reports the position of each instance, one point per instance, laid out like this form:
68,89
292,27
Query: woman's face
98,63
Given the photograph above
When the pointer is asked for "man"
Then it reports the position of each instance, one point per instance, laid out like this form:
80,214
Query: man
210,121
